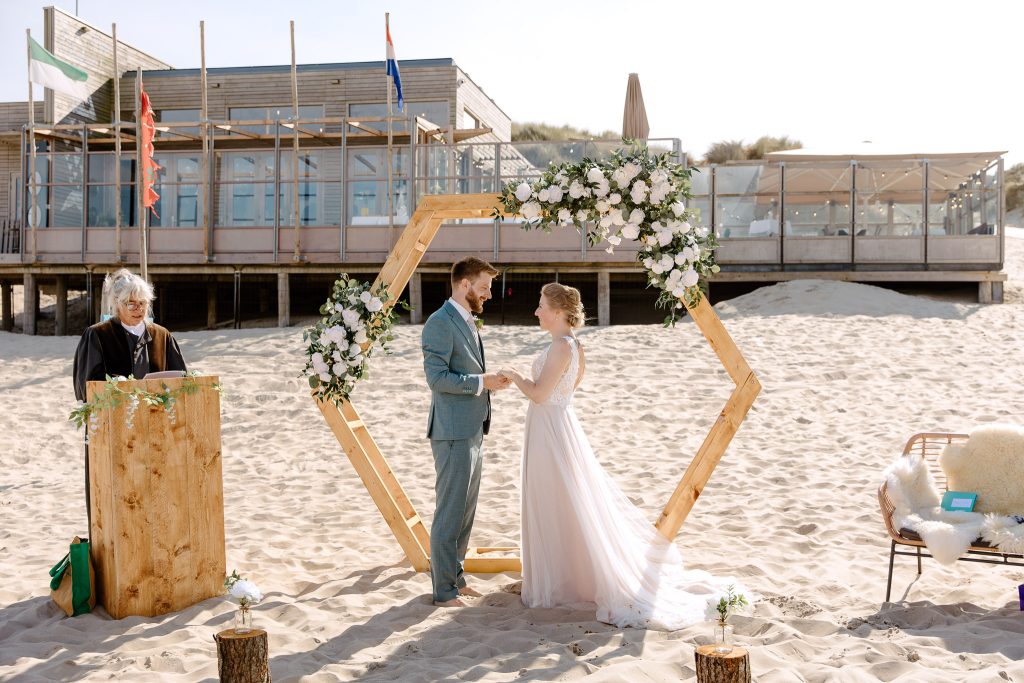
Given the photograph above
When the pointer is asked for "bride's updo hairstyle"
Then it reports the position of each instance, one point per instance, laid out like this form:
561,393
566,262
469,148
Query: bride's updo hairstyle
566,299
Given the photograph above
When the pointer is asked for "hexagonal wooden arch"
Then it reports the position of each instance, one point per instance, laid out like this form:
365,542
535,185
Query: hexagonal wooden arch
380,481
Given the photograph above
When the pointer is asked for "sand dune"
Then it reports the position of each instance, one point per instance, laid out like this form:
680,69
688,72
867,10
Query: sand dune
849,373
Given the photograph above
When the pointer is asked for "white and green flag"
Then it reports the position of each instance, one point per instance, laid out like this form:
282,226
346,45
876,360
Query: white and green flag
50,72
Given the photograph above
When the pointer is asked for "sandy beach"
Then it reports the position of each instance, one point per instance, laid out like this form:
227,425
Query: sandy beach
849,373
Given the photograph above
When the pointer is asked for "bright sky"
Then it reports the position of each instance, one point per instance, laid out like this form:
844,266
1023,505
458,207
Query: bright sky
928,76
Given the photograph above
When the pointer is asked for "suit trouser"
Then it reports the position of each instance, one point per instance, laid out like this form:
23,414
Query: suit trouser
457,464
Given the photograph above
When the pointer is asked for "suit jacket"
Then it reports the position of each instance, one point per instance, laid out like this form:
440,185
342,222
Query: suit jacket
104,350
451,355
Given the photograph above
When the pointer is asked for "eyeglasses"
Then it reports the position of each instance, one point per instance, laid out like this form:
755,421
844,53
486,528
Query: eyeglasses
137,305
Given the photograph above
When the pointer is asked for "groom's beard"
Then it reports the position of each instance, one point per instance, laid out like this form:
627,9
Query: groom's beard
476,304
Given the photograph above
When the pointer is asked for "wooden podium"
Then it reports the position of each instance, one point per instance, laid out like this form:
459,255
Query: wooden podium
157,502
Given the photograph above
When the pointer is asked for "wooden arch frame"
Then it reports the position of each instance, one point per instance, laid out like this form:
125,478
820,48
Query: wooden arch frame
380,480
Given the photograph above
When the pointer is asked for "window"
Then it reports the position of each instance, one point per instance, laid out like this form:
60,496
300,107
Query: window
271,112
176,116
469,120
436,112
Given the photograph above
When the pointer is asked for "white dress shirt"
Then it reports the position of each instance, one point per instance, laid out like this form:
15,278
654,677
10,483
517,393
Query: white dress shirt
468,317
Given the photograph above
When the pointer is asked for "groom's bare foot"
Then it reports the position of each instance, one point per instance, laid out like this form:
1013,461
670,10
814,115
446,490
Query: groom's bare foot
454,602
466,590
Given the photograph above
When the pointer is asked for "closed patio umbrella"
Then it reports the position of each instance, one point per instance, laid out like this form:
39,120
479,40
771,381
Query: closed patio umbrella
634,115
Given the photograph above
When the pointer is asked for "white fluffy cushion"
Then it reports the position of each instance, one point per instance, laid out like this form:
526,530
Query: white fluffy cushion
991,464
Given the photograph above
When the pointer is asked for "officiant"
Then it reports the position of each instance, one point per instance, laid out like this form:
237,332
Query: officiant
124,344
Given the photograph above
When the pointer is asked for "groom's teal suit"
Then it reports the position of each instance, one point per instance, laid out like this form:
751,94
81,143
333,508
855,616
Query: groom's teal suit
459,417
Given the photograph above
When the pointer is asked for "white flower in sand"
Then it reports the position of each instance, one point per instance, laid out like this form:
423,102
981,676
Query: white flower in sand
245,592
523,191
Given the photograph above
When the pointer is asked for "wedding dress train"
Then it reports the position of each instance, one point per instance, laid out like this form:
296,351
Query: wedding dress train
583,541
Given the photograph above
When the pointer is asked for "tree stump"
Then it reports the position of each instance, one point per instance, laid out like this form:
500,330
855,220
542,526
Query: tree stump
242,657
718,667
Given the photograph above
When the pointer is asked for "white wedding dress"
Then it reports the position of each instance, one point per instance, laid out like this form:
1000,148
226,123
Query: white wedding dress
583,541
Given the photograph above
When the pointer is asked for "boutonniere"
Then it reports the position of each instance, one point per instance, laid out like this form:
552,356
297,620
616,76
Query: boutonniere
478,322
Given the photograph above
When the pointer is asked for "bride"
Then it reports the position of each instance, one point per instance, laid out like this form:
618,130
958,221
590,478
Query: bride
583,541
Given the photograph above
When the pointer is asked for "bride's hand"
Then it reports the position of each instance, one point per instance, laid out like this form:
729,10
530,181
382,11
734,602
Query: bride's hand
508,373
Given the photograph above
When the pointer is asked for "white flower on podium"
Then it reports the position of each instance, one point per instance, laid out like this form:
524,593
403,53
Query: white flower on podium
523,191
241,590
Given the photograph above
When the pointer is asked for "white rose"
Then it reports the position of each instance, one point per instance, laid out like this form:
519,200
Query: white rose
678,291
621,177
639,192
690,278
679,209
564,215
351,318
365,297
544,195
681,258
324,377
614,240
356,361
617,218
338,369
603,206
636,216
658,176
355,350
648,262
650,240
631,170
664,237
657,268
659,192
602,188
317,358
530,211
630,231
554,194
614,198
684,228
576,189
338,308
606,222
690,254
594,175
523,191
360,337
581,216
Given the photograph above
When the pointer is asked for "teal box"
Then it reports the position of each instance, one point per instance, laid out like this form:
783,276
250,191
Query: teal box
959,500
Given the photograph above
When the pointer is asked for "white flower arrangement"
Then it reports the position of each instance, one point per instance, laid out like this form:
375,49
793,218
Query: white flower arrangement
725,605
636,196
241,590
355,322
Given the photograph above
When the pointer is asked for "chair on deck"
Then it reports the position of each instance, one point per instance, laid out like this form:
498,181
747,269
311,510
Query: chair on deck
930,446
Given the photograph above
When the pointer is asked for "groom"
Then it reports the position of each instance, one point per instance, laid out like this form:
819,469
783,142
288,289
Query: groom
460,415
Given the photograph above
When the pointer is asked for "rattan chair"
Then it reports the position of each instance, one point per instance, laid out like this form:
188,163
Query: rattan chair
930,446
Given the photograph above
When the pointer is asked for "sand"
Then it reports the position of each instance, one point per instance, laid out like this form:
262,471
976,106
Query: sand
849,373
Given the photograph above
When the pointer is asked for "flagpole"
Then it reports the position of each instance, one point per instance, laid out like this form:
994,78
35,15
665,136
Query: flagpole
387,79
204,131
296,214
117,150
32,147
140,178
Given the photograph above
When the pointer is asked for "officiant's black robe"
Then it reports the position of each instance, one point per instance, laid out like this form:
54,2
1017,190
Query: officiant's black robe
107,348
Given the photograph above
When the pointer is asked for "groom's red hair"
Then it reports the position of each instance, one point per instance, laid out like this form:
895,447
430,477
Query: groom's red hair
469,268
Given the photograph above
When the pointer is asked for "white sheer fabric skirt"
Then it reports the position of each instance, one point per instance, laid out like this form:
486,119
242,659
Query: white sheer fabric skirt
583,541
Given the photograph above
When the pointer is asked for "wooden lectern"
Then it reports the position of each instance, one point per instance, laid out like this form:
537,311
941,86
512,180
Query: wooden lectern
157,502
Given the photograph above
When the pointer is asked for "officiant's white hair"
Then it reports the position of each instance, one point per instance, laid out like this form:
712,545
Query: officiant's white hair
123,286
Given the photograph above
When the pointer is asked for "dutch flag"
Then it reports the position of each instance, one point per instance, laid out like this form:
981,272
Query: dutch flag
392,66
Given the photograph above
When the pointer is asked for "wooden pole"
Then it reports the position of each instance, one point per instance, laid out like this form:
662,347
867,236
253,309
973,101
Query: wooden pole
140,179
296,255
722,667
243,657
390,190
203,132
32,213
117,151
